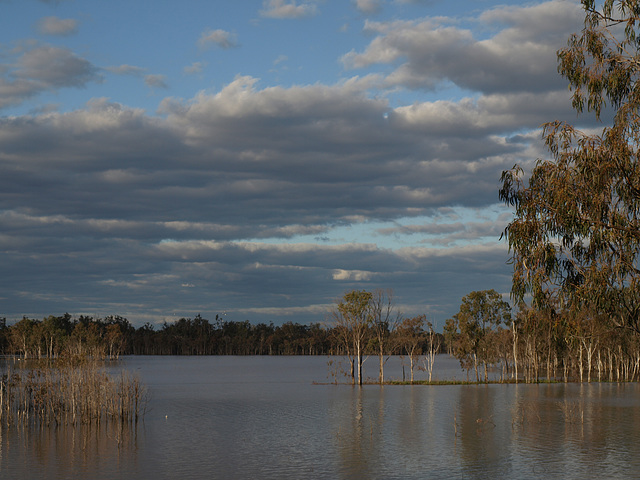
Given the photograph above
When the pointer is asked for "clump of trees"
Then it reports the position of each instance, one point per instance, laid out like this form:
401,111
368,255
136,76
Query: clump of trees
476,330
534,345
367,323
575,237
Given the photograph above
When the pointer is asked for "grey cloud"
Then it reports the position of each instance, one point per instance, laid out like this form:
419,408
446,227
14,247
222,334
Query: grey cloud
55,67
447,234
487,115
126,70
111,210
156,80
57,26
274,157
368,6
150,80
519,57
44,68
194,68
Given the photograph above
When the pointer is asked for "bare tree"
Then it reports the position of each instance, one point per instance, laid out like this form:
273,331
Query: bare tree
433,347
384,319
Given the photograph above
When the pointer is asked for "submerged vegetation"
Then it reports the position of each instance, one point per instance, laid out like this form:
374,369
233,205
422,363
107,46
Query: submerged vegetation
68,391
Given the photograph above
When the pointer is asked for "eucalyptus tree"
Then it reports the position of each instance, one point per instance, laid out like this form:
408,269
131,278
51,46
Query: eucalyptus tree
20,336
576,232
410,336
480,314
352,316
433,341
450,332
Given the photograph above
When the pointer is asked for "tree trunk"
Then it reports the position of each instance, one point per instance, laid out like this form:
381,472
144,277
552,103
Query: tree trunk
580,367
411,360
475,364
515,350
359,360
352,373
381,375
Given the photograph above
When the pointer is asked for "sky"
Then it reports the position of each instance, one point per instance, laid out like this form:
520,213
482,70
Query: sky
259,159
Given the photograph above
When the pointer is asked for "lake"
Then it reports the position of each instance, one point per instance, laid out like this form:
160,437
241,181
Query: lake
279,418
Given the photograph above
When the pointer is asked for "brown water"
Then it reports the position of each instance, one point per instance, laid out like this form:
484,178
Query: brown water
263,417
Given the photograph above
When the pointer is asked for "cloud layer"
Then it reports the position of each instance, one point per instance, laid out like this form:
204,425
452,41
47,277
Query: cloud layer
269,202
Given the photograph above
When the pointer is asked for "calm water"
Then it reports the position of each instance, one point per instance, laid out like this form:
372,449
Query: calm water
263,418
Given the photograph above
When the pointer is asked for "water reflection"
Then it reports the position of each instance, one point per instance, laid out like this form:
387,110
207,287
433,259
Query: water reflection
354,447
263,418
105,450
487,431
479,433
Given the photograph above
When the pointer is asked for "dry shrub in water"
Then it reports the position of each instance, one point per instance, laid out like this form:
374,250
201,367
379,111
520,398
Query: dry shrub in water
69,391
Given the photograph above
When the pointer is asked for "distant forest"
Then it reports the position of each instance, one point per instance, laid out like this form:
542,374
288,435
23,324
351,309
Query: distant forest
114,335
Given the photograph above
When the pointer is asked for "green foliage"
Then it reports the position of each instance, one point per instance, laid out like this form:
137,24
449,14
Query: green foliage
575,239
353,317
478,321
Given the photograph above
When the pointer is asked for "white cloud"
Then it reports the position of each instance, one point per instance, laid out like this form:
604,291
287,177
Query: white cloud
280,59
352,275
221,38
287,9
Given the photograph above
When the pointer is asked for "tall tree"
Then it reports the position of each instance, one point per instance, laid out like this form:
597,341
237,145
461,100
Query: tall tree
576,232
352,316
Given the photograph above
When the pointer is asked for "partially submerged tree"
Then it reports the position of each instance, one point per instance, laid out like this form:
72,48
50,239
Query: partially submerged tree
481,312
575,239
432,348
410,336
384,319
352,317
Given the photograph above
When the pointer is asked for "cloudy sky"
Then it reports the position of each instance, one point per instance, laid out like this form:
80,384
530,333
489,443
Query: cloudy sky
261,158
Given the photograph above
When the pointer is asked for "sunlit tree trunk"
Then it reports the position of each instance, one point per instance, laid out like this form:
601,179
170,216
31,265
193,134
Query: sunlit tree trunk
515,350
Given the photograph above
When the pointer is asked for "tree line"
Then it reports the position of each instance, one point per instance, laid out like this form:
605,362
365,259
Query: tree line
491,341
112,336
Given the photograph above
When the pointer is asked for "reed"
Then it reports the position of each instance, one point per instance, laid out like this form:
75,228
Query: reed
69,392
